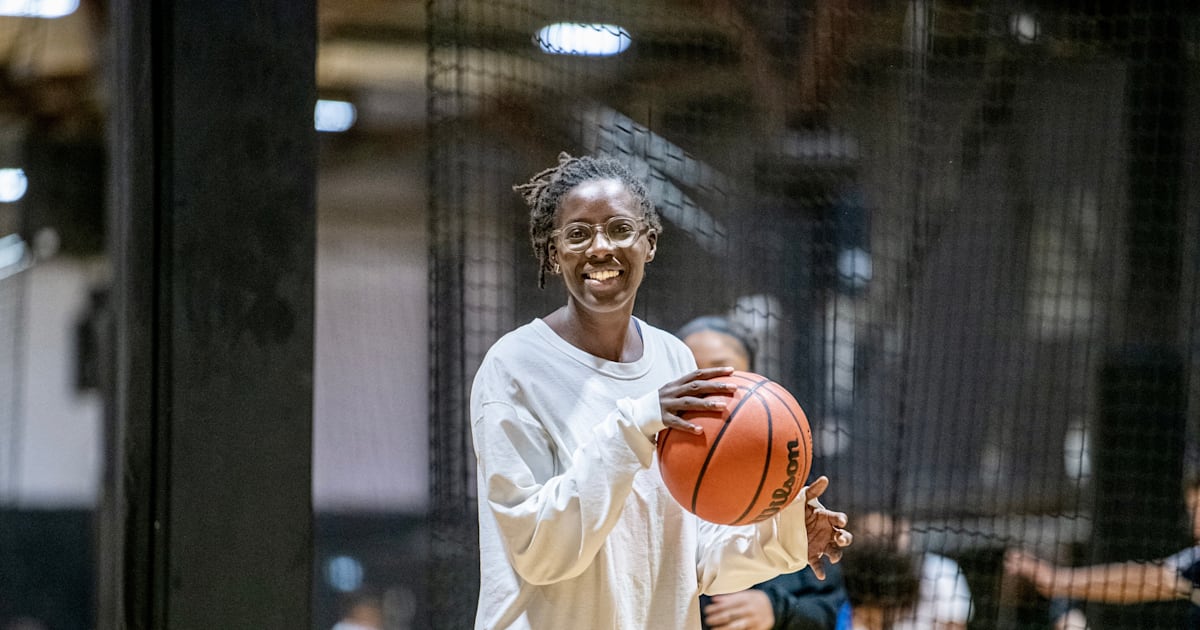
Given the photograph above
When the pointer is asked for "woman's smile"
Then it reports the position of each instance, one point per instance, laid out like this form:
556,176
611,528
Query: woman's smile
602,275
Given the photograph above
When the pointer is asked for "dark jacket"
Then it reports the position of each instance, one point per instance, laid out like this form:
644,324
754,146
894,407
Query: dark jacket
801,601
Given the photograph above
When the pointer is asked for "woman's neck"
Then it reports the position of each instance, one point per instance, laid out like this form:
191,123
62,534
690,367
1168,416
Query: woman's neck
611,336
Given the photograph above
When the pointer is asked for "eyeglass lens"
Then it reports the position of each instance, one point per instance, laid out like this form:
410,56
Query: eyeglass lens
620,231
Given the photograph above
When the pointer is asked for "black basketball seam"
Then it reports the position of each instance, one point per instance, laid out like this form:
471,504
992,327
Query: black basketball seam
795,419
713,448
717,440
800,429
767,464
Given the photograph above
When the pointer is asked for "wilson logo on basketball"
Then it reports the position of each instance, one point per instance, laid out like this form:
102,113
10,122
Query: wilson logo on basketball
779,498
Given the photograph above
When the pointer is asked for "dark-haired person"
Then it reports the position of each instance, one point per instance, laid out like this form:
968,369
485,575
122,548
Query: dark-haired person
792,601
1176,577
884,584
576,528
944,599
716,341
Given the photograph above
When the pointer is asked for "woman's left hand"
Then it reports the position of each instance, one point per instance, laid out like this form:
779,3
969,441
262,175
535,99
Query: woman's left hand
826,534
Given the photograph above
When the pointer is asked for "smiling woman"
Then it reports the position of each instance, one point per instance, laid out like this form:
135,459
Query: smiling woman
601,269
576,528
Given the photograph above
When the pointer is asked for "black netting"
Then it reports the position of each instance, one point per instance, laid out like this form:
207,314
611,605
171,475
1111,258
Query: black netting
962,233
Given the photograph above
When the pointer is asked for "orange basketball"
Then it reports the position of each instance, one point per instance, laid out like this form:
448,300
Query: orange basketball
751,460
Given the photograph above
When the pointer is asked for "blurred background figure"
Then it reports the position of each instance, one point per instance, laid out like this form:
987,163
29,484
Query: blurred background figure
943,598
794,601
1176,577
883,584
717,341
362,611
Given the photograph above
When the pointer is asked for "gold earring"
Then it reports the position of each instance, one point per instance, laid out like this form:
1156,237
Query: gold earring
556,269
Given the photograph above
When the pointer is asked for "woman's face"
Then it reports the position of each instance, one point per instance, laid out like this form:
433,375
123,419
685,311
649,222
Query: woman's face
717,349
601,276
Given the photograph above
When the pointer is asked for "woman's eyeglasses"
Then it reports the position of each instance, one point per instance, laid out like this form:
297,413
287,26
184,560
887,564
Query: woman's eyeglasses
620,232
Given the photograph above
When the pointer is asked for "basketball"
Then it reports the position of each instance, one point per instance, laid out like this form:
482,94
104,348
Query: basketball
751,459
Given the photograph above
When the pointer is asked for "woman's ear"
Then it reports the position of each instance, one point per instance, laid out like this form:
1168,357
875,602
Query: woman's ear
652,238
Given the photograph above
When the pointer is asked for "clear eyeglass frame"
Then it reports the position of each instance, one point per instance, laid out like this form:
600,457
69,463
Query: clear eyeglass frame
620,232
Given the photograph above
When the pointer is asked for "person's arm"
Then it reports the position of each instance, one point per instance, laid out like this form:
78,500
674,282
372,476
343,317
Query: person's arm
554,524
750,609
731,559
1117,583
792,601
801,601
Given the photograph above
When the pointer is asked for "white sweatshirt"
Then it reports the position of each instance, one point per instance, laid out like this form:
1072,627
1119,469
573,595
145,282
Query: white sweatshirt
576,529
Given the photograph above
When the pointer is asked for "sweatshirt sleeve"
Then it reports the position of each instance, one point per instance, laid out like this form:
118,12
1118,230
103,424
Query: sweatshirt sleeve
554,522
731,559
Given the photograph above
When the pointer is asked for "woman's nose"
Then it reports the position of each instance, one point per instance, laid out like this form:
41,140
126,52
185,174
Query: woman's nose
596,244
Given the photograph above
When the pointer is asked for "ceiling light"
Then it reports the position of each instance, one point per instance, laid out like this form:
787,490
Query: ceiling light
334,115
38,8
568,38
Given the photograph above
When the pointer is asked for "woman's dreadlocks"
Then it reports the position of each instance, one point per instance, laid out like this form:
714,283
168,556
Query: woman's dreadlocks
544,191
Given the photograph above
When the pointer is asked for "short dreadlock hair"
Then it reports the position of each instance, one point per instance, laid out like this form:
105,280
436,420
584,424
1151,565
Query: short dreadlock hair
544,191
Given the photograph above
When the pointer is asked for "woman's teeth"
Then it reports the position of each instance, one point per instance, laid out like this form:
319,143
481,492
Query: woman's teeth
603,275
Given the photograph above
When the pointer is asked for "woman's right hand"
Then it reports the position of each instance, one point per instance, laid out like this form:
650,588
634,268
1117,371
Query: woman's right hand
694,392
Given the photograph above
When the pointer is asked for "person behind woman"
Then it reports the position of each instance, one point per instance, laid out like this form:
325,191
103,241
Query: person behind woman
792,601
576,528
1176,577
884,584
944,598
